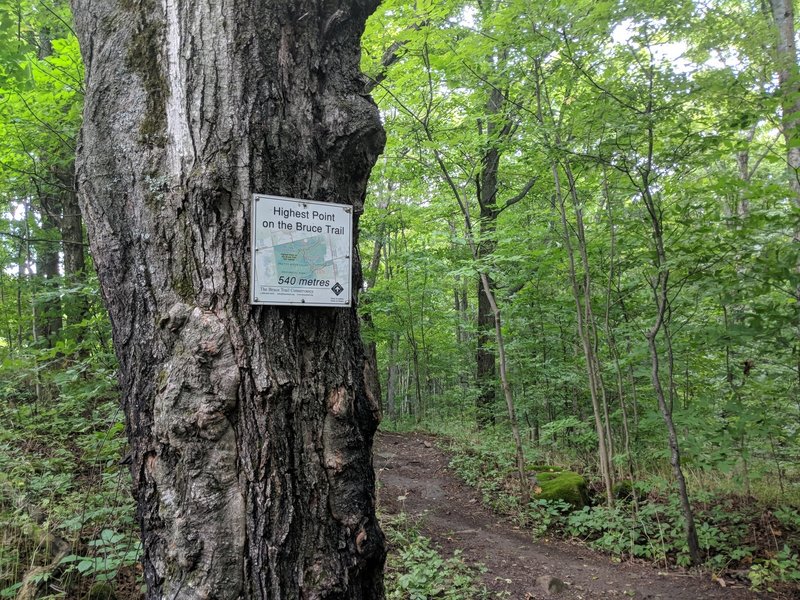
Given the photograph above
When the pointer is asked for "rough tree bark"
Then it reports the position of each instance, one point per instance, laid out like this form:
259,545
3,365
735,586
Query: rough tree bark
250,427
499,127
489,211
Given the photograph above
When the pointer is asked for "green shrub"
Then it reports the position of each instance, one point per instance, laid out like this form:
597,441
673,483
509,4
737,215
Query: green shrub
416,571
783,568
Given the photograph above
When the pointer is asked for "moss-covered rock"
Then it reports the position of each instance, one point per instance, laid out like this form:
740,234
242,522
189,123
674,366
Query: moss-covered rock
556,484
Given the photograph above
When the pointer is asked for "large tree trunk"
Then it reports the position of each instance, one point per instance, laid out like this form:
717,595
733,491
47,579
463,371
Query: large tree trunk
486,373
487,244
250,427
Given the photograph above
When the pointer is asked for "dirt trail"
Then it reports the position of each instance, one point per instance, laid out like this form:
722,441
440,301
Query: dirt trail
413,478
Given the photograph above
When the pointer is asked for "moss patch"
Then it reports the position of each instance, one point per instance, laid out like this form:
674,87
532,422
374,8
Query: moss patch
144,57
182,281
567,486
184,287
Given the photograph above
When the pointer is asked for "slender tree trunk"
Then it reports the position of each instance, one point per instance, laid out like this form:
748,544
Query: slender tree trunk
486,289
406,384
28,264
496,128
789,81
457,309
411,335
76,306
675,456
631,376
250,427
371,348
498,330
426,350
589,320
9,334
512,415
584,320
583,334
419,406
49,320
672,385
21,268
391,379
611,338
661,291
393,375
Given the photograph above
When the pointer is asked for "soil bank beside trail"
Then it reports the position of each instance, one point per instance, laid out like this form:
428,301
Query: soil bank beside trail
413,478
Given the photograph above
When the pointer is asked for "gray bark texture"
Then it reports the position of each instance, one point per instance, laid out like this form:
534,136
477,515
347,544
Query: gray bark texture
487,199
250,427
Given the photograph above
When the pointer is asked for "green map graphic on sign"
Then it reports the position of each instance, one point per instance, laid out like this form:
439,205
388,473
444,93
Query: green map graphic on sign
302,258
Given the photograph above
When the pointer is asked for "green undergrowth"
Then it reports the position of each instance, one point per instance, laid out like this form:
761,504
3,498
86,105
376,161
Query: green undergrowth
416,570
740,537
66,514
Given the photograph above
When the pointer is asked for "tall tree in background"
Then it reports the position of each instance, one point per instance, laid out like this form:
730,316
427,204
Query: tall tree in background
789,80
250,427
41,87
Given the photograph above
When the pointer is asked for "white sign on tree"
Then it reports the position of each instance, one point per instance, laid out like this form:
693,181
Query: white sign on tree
301,252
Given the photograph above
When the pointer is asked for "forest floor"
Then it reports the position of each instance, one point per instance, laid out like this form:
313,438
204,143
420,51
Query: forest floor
414,479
